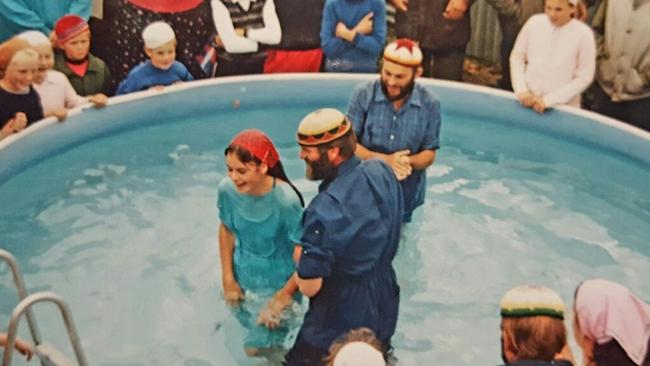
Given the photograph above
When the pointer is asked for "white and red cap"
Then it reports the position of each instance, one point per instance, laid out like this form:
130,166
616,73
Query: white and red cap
403,51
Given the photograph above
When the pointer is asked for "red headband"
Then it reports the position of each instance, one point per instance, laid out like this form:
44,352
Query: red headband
259,145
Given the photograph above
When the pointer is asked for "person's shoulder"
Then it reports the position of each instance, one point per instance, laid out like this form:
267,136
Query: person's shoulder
538,20
376,167
179,66
581,27
365,90
542,17
56,77
226,186
286,195
426,94
94,60
142,67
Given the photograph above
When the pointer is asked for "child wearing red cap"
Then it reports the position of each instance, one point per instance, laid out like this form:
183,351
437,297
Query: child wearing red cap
87,74
20,103
260,212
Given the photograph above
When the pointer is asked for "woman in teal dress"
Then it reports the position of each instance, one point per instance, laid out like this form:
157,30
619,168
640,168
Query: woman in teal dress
260,212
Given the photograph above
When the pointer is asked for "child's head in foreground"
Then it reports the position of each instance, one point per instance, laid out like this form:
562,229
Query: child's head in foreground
358,347
532,324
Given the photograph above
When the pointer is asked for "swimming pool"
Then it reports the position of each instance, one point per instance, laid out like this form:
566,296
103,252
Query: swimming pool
115,211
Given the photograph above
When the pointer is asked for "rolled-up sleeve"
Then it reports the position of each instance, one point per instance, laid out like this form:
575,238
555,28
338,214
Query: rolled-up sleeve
323,222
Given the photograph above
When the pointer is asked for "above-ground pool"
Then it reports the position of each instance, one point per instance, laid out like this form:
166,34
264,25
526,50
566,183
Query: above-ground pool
115,210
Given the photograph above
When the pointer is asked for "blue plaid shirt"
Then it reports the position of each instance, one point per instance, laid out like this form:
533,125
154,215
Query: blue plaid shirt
379,127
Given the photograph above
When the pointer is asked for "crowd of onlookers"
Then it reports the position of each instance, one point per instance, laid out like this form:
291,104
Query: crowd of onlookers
58,55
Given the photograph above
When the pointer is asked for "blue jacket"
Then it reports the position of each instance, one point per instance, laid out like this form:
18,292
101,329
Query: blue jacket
362,53
146,75
20,15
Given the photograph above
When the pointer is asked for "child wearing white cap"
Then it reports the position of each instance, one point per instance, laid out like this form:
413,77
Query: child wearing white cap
54,88
161,69
358,347
554,58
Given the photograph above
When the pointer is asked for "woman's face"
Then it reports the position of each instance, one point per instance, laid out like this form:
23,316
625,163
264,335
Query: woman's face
559,12
248,177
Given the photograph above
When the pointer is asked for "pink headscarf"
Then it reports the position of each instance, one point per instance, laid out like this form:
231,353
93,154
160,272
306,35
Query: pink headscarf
607,310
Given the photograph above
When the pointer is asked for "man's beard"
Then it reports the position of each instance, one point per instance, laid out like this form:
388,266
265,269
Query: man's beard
404,91
320,169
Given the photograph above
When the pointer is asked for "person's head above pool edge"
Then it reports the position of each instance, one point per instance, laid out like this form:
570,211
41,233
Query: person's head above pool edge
532,324
401,65
326,140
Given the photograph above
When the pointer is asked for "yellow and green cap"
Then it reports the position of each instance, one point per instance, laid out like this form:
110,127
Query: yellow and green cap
531,300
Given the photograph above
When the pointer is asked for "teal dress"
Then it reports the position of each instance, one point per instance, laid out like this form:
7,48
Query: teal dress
266,229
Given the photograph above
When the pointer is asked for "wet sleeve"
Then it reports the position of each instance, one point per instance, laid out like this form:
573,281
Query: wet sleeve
320,242
224,206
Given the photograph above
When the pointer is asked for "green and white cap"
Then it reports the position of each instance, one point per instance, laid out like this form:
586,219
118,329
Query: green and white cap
531,300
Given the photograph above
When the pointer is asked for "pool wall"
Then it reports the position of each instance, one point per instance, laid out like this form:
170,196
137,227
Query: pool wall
485,105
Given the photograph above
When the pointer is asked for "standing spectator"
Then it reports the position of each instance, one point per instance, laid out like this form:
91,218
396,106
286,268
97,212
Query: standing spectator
244,27
353,33
623,73
87,74
554,58
442,28
351,231
20,104
398,121
17,16
299,50
611,325
512,15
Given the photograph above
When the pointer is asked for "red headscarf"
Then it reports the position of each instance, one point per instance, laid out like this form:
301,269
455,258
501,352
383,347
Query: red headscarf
258,144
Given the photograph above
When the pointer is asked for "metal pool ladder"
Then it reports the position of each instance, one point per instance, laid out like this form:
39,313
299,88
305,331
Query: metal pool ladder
48,355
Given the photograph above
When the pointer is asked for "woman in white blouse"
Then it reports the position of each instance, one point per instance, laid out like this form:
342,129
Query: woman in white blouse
554,58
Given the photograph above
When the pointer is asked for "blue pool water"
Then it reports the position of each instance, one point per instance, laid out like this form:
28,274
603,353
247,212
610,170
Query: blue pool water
115,211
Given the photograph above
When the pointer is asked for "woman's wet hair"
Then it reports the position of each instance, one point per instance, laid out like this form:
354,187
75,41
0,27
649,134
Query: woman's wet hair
277,171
